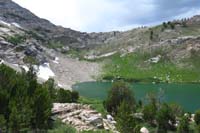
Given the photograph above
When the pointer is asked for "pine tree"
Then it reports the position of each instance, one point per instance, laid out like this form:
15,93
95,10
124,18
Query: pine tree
125,120
14,120
119,92
41,108
50,85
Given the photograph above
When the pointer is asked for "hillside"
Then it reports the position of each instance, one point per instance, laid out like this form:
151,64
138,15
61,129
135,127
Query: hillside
42,66
27,39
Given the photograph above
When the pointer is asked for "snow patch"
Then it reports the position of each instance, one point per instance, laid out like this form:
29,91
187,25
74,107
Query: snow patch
45,71
56,60
59,85
25,68
1,61
16,25
5,23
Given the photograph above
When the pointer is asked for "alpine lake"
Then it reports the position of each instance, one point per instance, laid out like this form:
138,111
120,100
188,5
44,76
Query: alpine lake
185,94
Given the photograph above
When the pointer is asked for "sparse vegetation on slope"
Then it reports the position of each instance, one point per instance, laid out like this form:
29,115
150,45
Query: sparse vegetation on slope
16,39
137,67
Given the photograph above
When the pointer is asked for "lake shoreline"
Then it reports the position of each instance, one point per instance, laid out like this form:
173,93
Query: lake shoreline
183,94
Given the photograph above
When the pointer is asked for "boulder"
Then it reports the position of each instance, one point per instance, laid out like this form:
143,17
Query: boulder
144,130
82,117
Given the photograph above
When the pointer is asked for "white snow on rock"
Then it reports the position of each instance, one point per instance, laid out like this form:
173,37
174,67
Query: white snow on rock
25,68
1,61
16,25
144,130
5,23
59,85
56,60
45,71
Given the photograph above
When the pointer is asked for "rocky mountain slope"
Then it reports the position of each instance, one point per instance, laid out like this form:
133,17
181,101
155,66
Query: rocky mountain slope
13,13
19,49
27,39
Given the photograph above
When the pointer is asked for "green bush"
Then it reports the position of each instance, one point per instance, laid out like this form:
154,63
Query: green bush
149,111
30,60
17,39
125,120
75,96
183,126
64,96
163,116
54,45
164,25
151,35
119,92
2,123
171,24
177,110
197,129
59,127
197,117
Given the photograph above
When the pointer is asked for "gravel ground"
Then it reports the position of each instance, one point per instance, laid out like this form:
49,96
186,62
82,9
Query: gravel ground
70,71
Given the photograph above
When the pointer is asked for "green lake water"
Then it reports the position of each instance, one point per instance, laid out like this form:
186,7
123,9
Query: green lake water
187,95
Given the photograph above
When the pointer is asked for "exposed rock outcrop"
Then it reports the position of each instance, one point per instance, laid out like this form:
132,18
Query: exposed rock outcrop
82,117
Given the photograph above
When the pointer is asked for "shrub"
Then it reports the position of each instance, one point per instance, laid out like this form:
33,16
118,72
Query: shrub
50,85
164,25
149,113
184,125
171,24
125,120
197,117
164,115
75,96
30,60
2,123
64,96
177,110
17,39
197,129
119,92
59,127
151,35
